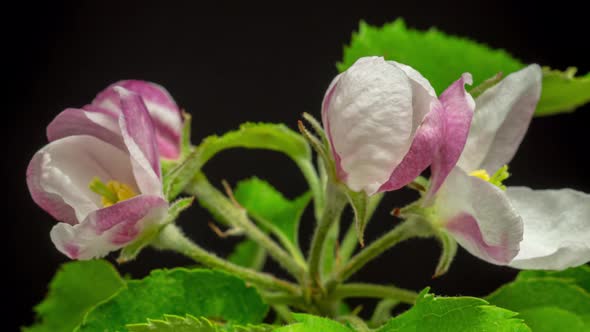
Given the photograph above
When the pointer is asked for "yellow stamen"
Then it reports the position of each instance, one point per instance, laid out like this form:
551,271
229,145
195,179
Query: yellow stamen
112,192
481,173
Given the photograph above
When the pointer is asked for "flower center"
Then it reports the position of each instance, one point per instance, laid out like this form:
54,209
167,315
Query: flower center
496,179
112,192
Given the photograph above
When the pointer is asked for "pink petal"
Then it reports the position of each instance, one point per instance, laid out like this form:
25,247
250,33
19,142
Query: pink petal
480,217
110,228
140,138
161,106
458,111
58,175
340,173
73,121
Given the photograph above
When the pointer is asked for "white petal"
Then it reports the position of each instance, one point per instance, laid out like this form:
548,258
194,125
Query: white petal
370,119
69,164
480,217
556,228
502,116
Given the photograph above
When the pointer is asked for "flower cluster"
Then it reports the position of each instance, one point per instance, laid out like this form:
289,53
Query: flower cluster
100,175
386,125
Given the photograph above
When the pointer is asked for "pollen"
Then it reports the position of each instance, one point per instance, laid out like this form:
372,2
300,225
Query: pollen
482,174
112,192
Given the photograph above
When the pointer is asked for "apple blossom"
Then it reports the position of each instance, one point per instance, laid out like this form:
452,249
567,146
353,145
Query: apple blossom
516,226
100,176
386,125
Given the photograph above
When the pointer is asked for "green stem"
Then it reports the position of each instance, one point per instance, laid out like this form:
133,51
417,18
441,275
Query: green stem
374,291
220,206
335,202
172,238
310,174
382,312
355,322
284,313
408,229
350,241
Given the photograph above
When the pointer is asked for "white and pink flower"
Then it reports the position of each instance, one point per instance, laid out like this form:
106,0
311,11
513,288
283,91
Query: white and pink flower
100,174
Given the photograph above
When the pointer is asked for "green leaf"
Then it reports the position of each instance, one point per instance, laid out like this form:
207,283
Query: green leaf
273,211
201,293
530,293
553,319
248,254
563,92
131,251
466,314
76,288
442,58
276,137
172,323
577,275
309,323
359,202
439,57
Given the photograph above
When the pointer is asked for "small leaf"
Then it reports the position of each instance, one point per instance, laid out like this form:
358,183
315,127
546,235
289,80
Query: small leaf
466,314
248,254
75,289
276,137
309,323
272,210
531,293
131,251
563,92
359,202
578,275
201,293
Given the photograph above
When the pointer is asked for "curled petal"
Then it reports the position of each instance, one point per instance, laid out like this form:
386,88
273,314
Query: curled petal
109,229
458,108
556,228
73,121
139,136
161,106
369,120
59,174
480,217
502,116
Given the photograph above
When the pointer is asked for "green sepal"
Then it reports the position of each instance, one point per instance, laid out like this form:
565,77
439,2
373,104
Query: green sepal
198,292
276,137
359,202
448,252
131,251
74,290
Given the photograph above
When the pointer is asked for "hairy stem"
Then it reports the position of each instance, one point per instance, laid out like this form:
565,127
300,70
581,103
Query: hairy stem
172,238
335,202
221,207
374,291
409,229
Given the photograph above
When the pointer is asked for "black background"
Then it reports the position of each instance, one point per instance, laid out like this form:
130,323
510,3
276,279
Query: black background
232,64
